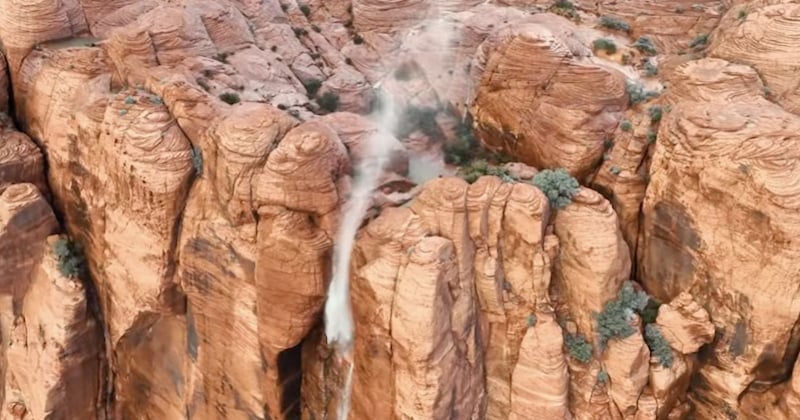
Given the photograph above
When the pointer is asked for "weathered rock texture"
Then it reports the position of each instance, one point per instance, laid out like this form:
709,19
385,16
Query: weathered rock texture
173,175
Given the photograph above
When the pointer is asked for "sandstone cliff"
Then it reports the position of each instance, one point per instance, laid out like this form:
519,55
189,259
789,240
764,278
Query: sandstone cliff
583,210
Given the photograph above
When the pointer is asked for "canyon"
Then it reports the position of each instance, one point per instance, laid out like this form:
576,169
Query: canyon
556,209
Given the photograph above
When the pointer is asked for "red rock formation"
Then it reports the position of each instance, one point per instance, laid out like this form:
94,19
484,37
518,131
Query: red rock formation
573,99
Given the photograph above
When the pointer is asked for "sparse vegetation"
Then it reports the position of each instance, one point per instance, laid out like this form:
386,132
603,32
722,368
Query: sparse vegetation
357,39
658,345
699,41
230,98
197,160
614,320
312,86
650,311
532,320
298,32
652,136
578,347
564,8
617,24
316,28
156,100
637,93
348,61
655,113
480,167
650,69
422,119
602,376
305,10
329,101
71,260
626,126
558,185
645,45
221,57
605,44
130,100
615,170
742,15
123,112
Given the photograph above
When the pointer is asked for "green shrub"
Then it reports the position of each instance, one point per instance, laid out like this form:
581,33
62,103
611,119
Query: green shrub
480,167
742,15
130,100
652,136
645,45
605,44
615,170
312,86
564,8
658,345
611,22
558,185
329,101
650,69
532,320
229,98
70,256
316,28
422,119
298,32
305,10
614,320
578,347
637,93
699,42
197,160
602,376
655,113
625,125
357,39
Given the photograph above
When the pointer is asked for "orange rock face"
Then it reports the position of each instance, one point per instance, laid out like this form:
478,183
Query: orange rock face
174,177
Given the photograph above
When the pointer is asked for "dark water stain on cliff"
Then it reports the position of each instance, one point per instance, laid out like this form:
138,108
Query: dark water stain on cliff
738,344
669,263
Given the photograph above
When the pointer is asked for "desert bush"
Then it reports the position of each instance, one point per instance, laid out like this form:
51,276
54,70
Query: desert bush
655,113
637,93
305,10
480,167
229,98
699,42
329,101
605,44
614,320
70,256
578,347
658,345
645,45
312,86
558,185
611,22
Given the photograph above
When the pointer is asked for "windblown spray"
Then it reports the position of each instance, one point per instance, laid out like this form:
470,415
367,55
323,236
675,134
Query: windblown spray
338,312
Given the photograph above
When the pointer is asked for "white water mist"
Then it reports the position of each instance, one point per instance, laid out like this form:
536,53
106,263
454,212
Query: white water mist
338,312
